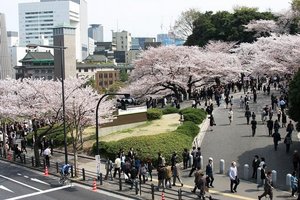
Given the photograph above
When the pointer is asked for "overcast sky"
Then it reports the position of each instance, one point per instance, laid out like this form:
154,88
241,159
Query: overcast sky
144,18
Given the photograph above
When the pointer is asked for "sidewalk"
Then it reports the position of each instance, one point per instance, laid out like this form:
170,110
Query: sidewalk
213,144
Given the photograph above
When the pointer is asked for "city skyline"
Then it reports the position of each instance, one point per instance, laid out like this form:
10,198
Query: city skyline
144,18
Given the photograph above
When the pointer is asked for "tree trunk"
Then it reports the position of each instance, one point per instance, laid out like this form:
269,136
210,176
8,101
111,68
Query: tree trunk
36,149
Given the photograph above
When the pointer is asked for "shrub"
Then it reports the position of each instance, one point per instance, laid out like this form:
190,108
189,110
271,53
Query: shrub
188,128
192,117
154,113
198,112
169,110
147,147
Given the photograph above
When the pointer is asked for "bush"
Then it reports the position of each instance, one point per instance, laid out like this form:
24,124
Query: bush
188,128
192,117
147,147
154,113
169,110
201,113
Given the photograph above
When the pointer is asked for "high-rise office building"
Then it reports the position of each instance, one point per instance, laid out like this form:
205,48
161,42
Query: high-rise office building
96,32
37,20
5,64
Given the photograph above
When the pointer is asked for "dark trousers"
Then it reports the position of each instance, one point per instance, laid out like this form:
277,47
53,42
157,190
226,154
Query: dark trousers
254,173
47,158
233,185
253,132
117,170
270,132
248,120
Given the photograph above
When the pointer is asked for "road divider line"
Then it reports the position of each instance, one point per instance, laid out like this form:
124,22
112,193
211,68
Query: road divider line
40,192
29,186
235,196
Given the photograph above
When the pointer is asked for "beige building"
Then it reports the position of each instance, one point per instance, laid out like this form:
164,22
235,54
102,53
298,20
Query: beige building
122,40
106,77
64,36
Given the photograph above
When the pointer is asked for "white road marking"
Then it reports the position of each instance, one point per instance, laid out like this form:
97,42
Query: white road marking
39,181
5,188
103,192
38,193
20,183
19,174
26,177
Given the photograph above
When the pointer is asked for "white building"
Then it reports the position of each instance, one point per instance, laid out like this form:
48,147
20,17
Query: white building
96,32
5,65
122,40
37,20
91,46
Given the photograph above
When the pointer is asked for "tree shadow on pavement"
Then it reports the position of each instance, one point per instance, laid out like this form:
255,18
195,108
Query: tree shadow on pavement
279,160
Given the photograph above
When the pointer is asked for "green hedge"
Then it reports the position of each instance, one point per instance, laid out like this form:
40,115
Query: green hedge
170,110
154,113
193,114
147,147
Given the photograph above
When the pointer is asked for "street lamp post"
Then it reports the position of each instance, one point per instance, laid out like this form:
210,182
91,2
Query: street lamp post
97,117
62,68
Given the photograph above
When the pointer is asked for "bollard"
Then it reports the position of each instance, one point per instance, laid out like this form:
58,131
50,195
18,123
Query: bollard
246,172
179,194
72,172
258,180
152,191
288,182
190,160
56,167
1,152
24,159
136,188
222,166
201,162
14,156
100,178
274,177
83,174
120,184
32,161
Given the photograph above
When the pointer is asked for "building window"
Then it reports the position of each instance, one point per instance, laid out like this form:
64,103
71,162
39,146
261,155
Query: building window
110,82
105,75
36,71
43,71
79,70
110,75
50,71
105,83
86,70
100,75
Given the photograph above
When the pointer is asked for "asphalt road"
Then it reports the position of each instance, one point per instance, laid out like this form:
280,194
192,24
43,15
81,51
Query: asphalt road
17,182
234,142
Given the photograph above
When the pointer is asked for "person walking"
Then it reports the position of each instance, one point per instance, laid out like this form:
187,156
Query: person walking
248,115
47,154
253,126
209,172
276,126
283,119
276,138
255,165
288,142
117,167
185,157
211,122
176,175
268,188
234,180
262,175
270,125
290,128
294,183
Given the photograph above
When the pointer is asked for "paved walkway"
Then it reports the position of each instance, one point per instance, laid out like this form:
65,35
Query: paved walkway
228,142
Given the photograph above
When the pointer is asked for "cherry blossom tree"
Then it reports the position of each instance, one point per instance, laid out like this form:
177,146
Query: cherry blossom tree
40,99
271,55
180,70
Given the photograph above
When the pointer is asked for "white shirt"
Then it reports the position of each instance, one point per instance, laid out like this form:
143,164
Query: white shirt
47,152
232,172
